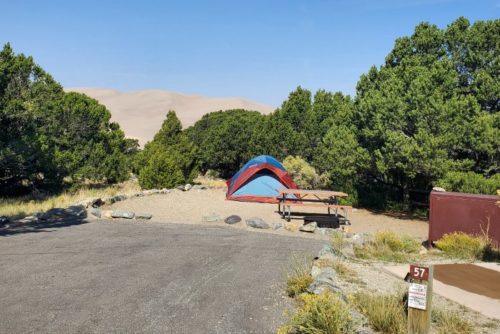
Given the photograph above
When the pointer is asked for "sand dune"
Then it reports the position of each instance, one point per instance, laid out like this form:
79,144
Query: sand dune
141,113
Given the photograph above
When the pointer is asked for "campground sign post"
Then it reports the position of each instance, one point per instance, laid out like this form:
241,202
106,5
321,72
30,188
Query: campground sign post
420,299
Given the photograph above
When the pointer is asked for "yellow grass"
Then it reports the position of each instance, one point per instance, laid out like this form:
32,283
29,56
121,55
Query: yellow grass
25,206
210,182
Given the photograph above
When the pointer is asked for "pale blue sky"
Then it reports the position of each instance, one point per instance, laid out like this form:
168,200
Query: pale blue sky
259,50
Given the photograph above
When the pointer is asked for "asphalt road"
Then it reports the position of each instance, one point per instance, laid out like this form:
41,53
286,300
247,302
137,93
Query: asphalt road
126,277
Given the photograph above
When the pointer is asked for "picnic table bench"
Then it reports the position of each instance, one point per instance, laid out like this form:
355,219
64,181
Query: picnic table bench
289,198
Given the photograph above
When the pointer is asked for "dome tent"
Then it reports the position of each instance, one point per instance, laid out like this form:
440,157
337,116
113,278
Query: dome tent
259,181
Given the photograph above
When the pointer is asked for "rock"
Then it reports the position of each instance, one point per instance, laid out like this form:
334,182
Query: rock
323,281
122,214
358,239
108,200
96,212
119,198
257,222
327,252
96,202
276,226
315,271
438,189
292,226
199,187
328,257
308,227
326,249
107,214
143,216
28,220
233,219
139,194
211,218
188,187
164,191
150,192
4,220
75,210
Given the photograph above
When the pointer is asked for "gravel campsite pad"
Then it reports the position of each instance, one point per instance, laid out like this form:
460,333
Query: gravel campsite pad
191,207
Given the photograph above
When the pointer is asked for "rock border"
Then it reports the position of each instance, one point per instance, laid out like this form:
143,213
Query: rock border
92,206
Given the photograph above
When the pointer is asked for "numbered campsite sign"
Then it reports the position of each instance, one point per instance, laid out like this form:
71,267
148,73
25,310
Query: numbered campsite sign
420,299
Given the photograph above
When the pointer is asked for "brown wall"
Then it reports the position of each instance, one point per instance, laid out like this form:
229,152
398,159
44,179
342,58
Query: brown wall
468,213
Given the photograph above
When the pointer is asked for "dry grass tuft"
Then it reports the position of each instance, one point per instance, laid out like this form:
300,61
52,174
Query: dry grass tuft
210,182
324,313
464,246
20,207
388,246
385,313
448,322
298,276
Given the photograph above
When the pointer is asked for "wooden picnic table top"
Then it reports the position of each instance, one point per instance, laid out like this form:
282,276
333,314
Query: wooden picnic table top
318,193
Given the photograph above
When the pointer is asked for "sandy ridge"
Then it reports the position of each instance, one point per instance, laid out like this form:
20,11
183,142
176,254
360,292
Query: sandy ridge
141,113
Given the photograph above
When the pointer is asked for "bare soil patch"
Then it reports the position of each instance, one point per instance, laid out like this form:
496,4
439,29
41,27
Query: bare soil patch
470,277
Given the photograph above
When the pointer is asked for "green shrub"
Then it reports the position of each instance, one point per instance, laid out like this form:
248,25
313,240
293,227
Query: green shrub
304,175
170,159
385,313
388,246
298,276
463,246
470,182
324,313
161,171
448,322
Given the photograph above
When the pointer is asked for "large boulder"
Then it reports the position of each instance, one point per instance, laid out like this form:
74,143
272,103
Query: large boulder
257,222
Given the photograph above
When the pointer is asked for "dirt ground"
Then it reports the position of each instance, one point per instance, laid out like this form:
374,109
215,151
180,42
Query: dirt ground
190,207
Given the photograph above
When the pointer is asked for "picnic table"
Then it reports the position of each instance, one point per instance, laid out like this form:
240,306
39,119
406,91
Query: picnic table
310,198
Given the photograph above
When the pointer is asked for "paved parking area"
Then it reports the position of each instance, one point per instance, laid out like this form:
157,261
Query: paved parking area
127,277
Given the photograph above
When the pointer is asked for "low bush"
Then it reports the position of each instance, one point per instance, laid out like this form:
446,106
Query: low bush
304,175
388,246
298,276
324,313
385,313
463,246
470,182
448,322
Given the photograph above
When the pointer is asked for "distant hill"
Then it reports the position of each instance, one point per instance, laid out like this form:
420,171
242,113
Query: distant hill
141,113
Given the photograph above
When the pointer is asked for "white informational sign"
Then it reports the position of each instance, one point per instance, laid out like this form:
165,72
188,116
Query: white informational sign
417,296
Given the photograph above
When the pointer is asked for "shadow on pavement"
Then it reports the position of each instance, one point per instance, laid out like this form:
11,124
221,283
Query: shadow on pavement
42,226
